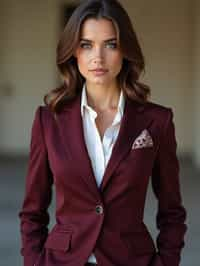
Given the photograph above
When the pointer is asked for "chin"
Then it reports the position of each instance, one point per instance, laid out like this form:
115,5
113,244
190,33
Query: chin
101,81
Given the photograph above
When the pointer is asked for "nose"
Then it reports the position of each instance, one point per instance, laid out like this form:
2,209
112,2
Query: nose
97,61
98,55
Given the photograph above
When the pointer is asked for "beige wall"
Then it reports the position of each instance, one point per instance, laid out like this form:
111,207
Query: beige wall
30,29
196,68
164,28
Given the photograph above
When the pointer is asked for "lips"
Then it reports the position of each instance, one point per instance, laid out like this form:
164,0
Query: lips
99,71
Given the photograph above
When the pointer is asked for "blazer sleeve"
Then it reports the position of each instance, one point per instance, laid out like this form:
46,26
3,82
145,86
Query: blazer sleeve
34,216
171,214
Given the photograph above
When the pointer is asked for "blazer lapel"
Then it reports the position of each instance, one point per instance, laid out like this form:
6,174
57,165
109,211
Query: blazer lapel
133,122
70,123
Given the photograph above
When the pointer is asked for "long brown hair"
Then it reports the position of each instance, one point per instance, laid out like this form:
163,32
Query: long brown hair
133,59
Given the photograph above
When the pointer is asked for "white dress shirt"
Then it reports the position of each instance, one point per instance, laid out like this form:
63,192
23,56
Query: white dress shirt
99,151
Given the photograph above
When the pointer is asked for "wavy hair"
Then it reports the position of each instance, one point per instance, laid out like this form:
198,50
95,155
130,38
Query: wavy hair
133,60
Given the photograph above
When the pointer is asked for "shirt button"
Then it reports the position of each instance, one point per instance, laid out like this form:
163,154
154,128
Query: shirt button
99,209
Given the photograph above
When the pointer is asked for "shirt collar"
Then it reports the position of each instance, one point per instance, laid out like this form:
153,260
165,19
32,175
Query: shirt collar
84,103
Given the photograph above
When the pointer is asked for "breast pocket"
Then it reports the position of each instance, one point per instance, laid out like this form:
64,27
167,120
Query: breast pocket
145,151
135,168
142,159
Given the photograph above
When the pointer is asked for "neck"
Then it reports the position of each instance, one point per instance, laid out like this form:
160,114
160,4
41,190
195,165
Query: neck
102,98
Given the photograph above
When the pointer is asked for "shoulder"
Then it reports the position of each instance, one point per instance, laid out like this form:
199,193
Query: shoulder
43,114
158,112
45,110
162,117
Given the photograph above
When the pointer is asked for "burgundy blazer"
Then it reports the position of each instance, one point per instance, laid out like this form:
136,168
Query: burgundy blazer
107,220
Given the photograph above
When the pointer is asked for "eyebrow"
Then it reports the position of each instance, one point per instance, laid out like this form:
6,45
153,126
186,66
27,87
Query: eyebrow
108,40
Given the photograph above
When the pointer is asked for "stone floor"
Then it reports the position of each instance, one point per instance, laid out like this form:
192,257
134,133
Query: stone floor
12,175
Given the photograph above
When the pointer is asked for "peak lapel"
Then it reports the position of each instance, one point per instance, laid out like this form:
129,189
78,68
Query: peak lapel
133,122
70,124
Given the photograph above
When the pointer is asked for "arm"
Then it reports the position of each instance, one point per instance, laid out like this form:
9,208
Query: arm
171,214
34,217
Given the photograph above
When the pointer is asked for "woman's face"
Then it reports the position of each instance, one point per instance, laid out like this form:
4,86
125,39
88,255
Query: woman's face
98,54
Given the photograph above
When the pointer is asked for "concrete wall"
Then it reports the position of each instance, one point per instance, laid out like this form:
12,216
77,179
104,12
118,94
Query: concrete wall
30,33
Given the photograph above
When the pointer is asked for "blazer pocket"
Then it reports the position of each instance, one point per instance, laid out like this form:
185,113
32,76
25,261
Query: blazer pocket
143,156
143,149
59,240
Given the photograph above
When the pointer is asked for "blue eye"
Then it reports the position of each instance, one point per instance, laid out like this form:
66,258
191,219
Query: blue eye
85,45
88,45
111,45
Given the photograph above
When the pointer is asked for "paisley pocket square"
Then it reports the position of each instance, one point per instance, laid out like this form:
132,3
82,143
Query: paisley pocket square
143,140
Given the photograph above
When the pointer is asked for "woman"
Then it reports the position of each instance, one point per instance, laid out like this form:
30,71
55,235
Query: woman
99,140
